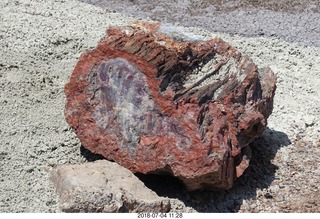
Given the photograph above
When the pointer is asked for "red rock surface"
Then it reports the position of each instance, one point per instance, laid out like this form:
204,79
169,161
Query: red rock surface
158,100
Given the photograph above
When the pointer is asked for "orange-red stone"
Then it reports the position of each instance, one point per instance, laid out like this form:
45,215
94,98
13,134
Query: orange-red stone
154,104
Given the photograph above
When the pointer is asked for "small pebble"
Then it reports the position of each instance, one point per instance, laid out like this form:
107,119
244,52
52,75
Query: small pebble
256,210
309,120
268,195
279,198
274,189
29,168
308,205
253,206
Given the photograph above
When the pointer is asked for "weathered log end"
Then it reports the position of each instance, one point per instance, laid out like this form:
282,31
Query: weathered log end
156,99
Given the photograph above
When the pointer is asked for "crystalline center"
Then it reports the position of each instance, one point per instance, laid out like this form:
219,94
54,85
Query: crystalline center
123,95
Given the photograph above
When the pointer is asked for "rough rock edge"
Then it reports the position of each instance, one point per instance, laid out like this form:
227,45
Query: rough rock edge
103,186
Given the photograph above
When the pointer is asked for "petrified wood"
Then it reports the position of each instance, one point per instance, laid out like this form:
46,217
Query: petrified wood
158,100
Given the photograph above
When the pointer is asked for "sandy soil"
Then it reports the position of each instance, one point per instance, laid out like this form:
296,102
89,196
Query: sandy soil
291,20
40,42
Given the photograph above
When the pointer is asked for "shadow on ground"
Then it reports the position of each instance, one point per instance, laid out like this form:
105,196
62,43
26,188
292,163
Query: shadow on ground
89,156
259,175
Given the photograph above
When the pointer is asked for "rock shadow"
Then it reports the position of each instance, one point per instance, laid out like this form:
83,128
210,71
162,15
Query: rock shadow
259,175
89,156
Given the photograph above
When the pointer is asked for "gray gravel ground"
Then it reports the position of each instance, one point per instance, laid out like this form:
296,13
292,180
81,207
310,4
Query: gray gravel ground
40,42
290,20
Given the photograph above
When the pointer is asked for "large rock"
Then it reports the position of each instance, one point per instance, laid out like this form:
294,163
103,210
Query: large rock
103,186
156,99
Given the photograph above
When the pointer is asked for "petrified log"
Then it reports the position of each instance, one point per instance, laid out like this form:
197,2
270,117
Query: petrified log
158,100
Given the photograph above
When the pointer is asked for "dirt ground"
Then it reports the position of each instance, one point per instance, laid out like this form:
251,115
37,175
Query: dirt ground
291,20
41,41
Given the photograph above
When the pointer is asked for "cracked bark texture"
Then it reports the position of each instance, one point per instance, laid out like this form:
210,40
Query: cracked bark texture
156,99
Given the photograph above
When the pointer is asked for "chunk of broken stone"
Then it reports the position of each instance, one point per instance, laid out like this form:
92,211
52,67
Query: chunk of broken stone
103,186
156,99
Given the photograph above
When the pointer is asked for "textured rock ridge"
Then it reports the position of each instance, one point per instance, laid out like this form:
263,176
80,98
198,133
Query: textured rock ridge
158,100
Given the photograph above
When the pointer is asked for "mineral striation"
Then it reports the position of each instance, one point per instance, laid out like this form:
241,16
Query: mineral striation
159,100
